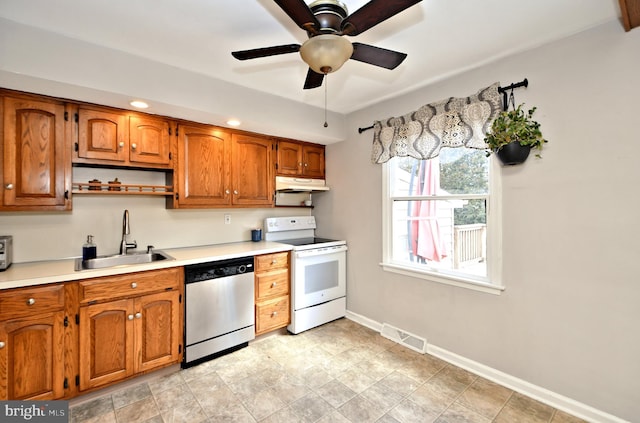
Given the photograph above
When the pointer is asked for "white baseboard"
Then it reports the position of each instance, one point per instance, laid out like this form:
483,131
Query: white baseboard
538,393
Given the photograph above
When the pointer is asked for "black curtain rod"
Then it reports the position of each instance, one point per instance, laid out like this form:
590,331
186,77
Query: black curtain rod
501,90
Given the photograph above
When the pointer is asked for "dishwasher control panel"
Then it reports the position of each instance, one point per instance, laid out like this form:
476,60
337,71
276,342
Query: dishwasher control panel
217,269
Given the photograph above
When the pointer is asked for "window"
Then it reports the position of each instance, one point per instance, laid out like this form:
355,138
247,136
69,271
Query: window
441,218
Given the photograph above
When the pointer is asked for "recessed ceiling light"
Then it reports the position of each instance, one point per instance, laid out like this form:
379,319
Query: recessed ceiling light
233,122
139,104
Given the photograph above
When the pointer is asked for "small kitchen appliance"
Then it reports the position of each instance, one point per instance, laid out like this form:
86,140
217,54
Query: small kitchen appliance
318,271
6,251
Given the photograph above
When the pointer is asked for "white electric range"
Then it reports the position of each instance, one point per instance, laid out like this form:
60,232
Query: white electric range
318,271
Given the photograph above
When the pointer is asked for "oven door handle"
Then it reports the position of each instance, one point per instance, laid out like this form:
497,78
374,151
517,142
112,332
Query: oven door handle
321,251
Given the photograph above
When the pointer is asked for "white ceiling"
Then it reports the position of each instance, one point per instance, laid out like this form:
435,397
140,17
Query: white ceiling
441,38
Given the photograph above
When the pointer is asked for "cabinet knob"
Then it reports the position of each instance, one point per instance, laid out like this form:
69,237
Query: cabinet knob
134,285
306,165
9,186
31,301
138,315
130,317
300,164
235,192
121,144
273,285
2,344
134,146
274,314
227,191
274,261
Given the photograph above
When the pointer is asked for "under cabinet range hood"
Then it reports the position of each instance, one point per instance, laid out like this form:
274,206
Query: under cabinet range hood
292,184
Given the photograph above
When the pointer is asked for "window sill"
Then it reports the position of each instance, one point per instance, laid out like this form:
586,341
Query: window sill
443,279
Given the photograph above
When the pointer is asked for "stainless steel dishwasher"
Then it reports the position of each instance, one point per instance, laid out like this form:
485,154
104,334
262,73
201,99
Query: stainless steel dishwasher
219,308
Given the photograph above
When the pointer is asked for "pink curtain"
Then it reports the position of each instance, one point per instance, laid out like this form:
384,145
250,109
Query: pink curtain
426,242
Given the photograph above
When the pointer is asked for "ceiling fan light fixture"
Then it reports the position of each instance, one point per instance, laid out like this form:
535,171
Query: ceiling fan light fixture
326,53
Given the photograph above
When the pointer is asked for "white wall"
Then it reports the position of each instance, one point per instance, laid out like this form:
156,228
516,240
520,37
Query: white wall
569,318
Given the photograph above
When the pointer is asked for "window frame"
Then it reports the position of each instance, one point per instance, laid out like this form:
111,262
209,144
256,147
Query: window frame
493,282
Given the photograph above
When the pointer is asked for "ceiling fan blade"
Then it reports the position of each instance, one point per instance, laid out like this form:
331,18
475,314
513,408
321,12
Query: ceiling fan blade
372,13
300,13
265,51
314,79
377,56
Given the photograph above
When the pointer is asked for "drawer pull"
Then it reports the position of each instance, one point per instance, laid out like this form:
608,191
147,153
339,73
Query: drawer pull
130,317
31,301
9,186
134,146
2,344
274,314
138,315
273,285
121,144
134,285
274,261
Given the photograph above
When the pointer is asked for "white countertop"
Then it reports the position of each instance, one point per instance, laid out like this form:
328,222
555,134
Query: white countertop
43,272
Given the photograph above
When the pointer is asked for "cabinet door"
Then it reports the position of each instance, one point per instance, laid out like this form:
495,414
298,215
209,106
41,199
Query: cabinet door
149,140
31,358
253,182
35,158
157,330
313,161
102,134
204,173
289,158
106,343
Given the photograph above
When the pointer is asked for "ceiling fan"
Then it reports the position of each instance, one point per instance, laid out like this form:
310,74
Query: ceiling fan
326,21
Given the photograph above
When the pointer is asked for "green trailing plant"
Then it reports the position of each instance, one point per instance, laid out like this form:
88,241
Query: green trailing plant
515,125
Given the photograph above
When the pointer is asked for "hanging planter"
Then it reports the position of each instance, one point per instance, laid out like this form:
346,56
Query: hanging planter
513,135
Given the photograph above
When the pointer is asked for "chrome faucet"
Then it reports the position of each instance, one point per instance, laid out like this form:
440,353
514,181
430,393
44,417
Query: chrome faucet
126,230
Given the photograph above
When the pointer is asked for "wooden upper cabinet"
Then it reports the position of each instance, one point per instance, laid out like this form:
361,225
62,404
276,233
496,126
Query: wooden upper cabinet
121,138
203,173
313,161
36,152
149,140
300,159
252,175
218,169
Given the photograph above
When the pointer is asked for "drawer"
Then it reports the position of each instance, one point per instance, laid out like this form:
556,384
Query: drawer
272,284
129,285
272,314
267,262
30,301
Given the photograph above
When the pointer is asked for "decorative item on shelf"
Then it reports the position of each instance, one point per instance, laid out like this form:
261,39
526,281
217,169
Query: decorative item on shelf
514,134
95,185
115,185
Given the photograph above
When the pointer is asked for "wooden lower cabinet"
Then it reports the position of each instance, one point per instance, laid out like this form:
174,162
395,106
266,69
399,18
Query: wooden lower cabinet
121,338
31,359
128,336
32,343
272,277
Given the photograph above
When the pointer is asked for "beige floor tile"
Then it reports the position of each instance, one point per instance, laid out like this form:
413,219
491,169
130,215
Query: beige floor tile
89,410
360,409
311,408
430,397
335,393
521,408
356,379
130,395
284,415
485,397
400,383
138,412
263,404
410,412
460,414
562,417
382,396
174,397
184,413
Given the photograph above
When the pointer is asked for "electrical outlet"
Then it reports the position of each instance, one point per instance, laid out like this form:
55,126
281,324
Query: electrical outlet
227,219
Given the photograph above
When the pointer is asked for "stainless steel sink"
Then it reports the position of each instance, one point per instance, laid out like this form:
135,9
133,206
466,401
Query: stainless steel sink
102,262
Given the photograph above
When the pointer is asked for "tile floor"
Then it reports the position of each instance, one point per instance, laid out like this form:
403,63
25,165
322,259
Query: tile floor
340,372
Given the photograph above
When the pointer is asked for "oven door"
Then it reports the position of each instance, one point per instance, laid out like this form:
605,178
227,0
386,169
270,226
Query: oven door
319,275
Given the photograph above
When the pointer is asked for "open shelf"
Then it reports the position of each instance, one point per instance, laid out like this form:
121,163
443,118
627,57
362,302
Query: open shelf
120,189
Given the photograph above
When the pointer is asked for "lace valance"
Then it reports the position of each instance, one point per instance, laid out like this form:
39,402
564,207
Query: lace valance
453,122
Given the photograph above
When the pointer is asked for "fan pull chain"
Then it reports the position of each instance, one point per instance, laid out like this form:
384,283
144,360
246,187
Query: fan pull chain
326,82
